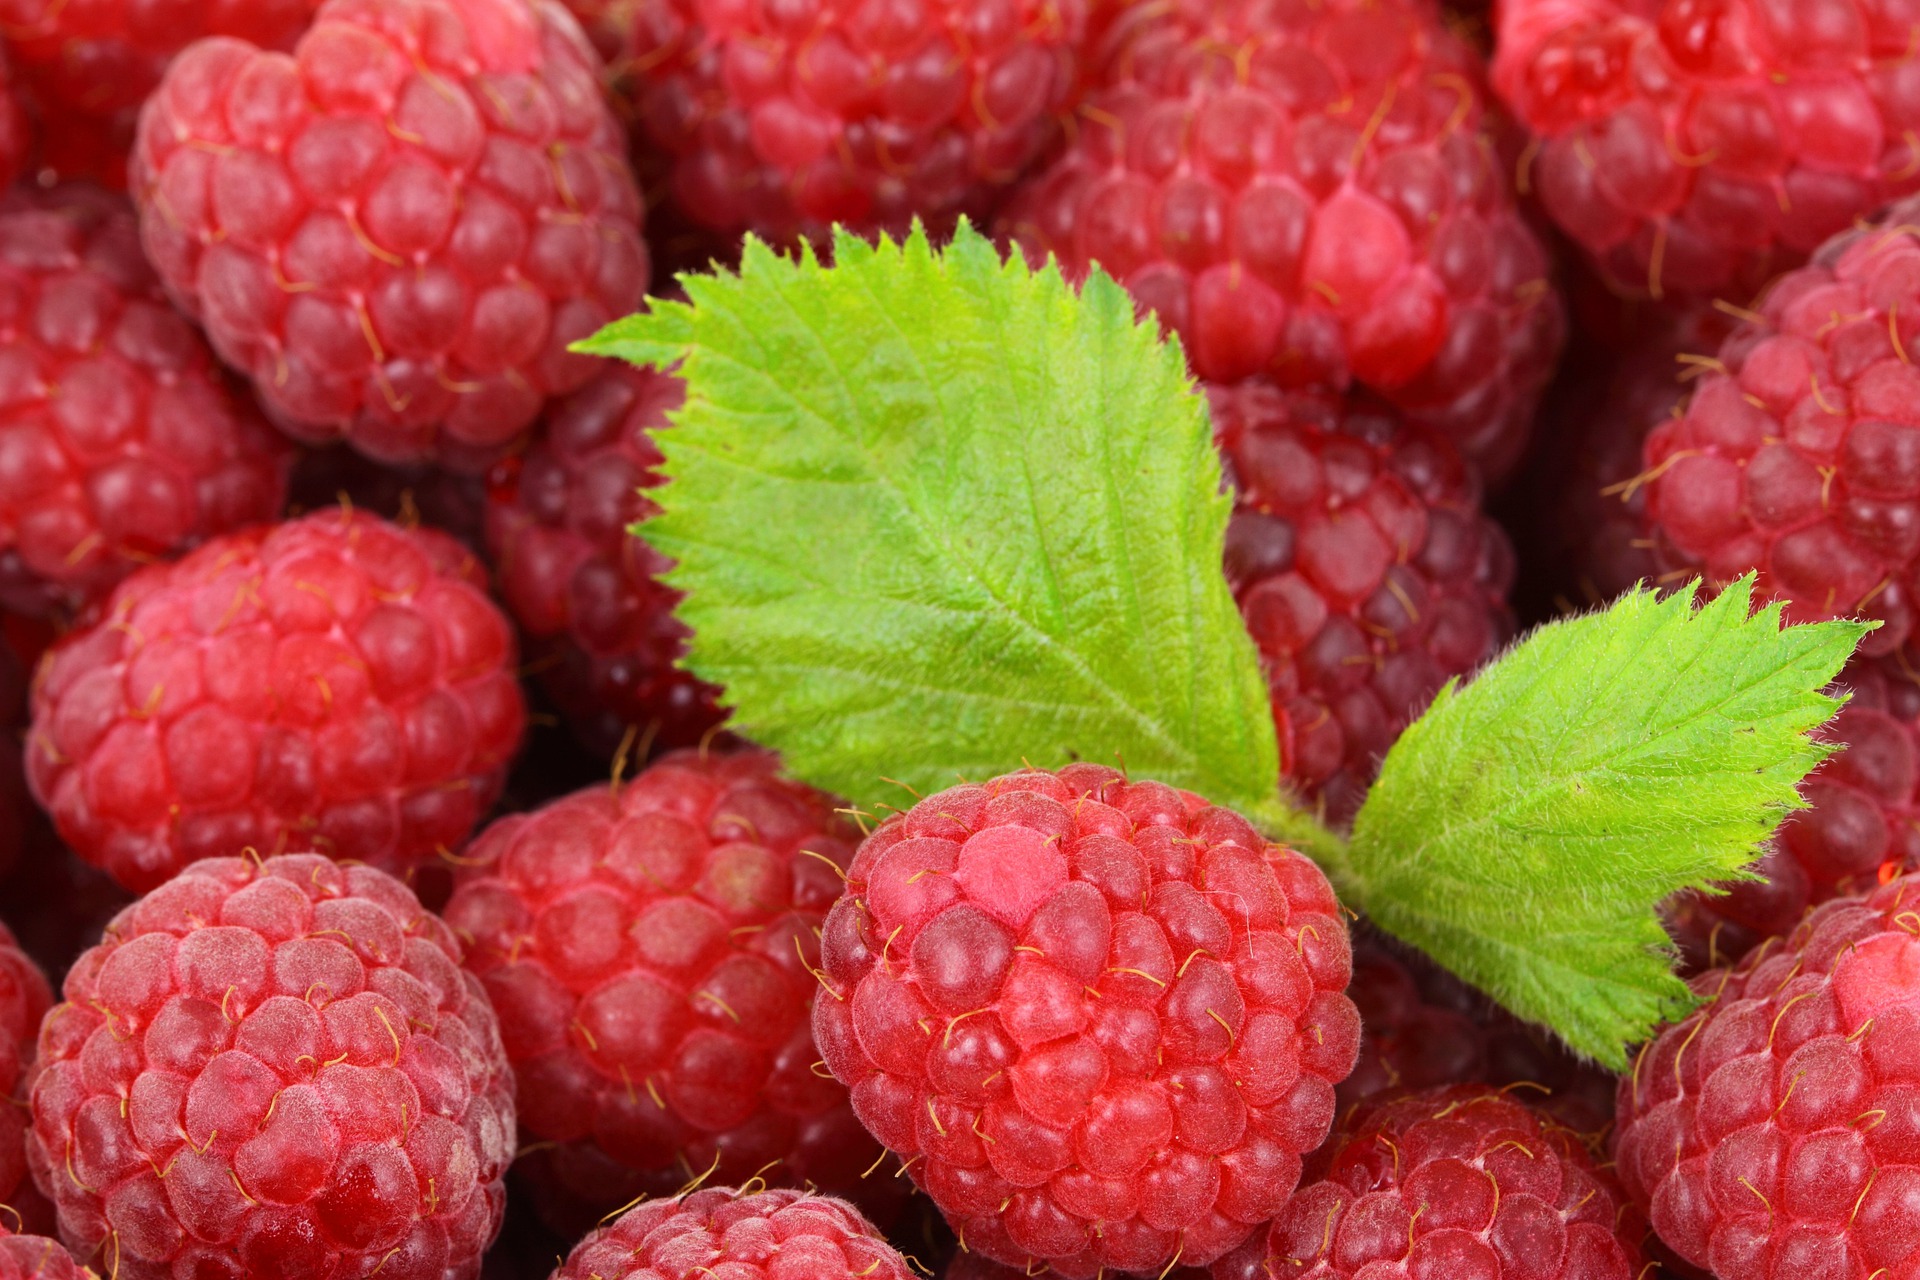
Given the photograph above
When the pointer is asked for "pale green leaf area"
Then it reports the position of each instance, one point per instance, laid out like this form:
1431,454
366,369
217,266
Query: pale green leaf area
1524,829
937,513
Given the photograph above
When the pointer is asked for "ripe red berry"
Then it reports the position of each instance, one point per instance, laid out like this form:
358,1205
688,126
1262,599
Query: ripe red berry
1101,1021
586,593
783,119
737,1235
1694,147
121,439
89,66
1313,194
275,1069
1365,570
1798,455
1457,1182
650,952
24,998
35,1257
333,682
397,230
1776,1131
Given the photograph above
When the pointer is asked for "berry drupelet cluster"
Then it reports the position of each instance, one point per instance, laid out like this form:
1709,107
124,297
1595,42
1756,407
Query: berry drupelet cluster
1101,1021
121,439
334,683
396,230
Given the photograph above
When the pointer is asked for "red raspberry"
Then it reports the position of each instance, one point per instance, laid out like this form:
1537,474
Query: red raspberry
1460,1182
90,66
1776,1131
783,119
1100,1020
1310,192
397,230
335,680
34,1257
121,439
24,998
1365,570
737,1235
1694,147
275,1069
587,593
650,951
1799,454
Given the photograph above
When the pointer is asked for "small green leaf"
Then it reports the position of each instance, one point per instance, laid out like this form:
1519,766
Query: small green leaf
936,513
1524,830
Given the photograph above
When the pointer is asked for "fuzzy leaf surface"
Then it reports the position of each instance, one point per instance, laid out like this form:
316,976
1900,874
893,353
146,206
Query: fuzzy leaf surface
1524,830
936,513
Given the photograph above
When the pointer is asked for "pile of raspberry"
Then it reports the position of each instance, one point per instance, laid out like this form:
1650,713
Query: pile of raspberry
1316,194
1366,572
600,627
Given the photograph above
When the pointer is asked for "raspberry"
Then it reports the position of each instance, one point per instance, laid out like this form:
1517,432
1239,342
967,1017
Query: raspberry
335,680
1776,1131
1084,1060
121,439
397,230
1798,455
783,119
586,593
650,952
1310,192
24,998
1694,147
1862,823
275,1069
1423,1028
738,1235
89,66
1365,570
34,1257
1464,1181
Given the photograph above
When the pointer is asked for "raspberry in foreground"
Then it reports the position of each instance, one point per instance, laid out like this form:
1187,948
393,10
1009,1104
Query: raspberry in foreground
24,998
90,66
1100,1021
334,682
1798,455
1693,149
275,1069
1458,1182
397,230
738,1235
121,439
650,952
783,120
1312,194
587,594
1366,572
1776,1131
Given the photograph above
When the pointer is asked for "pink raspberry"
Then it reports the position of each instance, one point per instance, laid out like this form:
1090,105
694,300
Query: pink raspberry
1100,1020
1694,147
90,66
585,591
737,1235
396,230
121,439
1458,1182
1311,193
783,119
303,1083
334,681
24,998
1776,1131
1365,570
650,951
1799,452
35,1257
